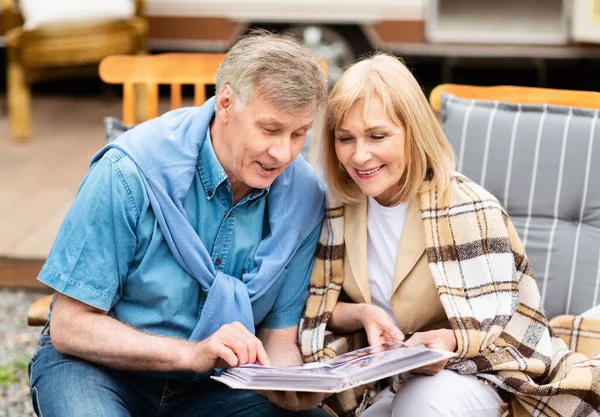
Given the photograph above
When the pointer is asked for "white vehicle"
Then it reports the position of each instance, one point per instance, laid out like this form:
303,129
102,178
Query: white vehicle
341,30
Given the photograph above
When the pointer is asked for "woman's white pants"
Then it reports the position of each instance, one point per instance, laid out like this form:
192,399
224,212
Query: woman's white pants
446,394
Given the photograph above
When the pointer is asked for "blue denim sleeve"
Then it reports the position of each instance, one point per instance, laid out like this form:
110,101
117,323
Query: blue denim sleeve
96,243
290,301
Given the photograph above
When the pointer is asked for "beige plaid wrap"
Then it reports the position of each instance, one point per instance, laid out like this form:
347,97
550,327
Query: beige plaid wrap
491,299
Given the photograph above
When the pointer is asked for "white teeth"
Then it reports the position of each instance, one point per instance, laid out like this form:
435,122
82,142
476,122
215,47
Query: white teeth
369,172
268,168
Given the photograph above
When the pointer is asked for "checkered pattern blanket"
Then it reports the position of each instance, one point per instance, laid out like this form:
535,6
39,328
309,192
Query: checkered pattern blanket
580,334
491,299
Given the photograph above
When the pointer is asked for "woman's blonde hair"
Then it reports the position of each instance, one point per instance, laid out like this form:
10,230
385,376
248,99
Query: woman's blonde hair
427,151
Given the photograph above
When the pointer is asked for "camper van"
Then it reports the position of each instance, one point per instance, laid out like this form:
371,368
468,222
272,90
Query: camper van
341,30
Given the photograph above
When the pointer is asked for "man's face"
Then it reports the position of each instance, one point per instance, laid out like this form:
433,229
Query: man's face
259,141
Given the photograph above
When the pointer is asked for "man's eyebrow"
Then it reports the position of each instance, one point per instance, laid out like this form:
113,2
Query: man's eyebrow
268,121
274,123
306,126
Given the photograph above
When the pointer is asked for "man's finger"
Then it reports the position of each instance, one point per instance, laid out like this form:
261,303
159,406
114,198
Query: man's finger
252,353
261,354
274,397
240,348
263,393
228,356
310,400
292,402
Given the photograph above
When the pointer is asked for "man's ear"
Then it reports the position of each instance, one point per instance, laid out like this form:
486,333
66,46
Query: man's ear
225,103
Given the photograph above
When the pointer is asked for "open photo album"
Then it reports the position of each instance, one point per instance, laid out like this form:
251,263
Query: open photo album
338,374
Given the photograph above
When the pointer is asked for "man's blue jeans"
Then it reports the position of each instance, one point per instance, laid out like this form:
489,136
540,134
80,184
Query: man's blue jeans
65,386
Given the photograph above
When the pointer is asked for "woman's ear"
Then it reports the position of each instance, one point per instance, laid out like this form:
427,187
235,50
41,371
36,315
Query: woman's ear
224,103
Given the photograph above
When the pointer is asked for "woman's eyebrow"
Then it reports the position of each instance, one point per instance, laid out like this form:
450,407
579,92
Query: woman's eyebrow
378,127
367,130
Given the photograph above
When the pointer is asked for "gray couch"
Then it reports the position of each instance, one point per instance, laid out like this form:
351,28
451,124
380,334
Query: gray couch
543,163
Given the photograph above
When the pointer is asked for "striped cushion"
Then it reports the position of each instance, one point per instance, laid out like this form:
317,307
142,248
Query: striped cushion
543,163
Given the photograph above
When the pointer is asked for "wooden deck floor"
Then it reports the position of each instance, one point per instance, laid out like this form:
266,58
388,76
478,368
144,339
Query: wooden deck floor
39,178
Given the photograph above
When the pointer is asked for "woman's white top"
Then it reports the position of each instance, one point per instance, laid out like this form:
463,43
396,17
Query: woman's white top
384,229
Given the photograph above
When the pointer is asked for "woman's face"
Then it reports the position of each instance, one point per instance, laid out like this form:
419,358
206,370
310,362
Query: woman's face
370,146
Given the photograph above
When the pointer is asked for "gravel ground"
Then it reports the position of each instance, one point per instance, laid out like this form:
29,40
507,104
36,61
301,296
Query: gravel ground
17,344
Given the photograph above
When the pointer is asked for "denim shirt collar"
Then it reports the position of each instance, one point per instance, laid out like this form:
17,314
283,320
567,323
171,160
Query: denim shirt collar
213,175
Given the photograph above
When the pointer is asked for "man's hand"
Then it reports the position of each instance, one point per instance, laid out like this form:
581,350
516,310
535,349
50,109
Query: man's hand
91,334
378,324
283,350
295,401
440,339
231,345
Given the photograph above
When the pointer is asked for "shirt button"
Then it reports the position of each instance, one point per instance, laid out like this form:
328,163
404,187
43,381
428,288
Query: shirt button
218,261
209,193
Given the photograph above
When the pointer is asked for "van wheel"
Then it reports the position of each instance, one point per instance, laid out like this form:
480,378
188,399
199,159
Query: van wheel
337,45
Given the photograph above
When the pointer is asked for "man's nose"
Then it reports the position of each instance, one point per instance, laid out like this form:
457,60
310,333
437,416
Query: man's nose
281,151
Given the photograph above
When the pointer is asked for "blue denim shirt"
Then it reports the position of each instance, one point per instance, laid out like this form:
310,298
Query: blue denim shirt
111,254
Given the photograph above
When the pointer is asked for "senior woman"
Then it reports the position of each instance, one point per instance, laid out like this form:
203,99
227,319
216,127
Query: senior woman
424,254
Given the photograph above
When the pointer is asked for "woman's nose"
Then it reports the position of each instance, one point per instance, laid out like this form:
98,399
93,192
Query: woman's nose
361,153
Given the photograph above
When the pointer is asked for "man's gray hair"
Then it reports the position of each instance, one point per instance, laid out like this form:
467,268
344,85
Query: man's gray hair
276,67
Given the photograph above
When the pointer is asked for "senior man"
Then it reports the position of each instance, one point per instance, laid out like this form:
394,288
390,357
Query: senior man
188,248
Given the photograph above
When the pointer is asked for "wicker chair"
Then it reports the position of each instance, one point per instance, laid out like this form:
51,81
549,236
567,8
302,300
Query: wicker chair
41,54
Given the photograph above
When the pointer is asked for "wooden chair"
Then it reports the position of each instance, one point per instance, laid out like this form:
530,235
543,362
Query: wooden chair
513,94
47,53
37,315
175,69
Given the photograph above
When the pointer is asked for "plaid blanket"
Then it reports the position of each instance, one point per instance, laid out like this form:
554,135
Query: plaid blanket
489,294
580,334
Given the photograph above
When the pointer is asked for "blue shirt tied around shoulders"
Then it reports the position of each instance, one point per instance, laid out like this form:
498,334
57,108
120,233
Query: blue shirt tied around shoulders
153,239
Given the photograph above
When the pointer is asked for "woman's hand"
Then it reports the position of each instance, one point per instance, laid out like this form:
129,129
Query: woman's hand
380,327
440,339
